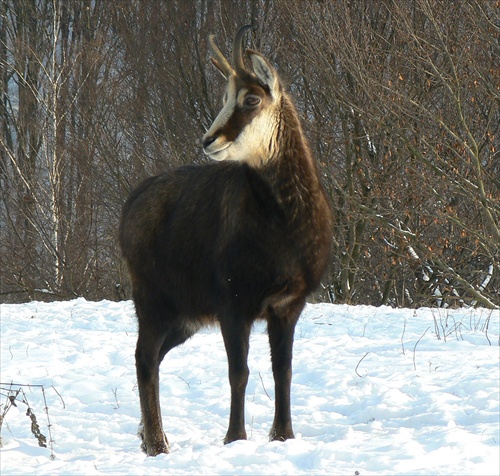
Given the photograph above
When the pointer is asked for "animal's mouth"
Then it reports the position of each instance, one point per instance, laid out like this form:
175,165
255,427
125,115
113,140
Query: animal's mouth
217,153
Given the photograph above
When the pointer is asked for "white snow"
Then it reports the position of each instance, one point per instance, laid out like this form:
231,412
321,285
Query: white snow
375,391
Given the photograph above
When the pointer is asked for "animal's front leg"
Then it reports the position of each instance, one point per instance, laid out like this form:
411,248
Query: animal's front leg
236,339
281,330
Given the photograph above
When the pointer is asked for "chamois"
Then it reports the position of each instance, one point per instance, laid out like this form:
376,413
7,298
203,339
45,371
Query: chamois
242,238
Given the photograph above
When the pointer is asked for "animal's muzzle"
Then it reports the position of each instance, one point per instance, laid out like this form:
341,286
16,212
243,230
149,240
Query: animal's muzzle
207,141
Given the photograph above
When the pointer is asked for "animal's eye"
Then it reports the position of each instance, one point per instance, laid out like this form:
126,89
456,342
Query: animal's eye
252,101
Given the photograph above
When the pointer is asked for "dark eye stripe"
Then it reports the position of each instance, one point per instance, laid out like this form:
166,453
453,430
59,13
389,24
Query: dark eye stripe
236,123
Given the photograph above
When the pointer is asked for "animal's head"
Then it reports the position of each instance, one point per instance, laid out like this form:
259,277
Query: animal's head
246,127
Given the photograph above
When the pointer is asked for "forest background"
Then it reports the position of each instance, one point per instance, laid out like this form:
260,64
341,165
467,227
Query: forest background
400,101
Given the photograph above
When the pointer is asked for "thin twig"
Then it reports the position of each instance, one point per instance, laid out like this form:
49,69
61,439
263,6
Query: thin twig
402,336
436,327
262,381
361,360
415,348
64,404
115,390
185,381
486,327
49,425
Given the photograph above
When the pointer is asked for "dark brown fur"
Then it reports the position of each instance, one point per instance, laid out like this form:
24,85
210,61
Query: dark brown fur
226,243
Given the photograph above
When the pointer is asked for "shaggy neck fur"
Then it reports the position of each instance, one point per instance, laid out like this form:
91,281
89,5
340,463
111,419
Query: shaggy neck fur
291,170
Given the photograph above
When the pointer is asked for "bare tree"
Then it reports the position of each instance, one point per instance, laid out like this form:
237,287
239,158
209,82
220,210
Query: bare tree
53,67
406,101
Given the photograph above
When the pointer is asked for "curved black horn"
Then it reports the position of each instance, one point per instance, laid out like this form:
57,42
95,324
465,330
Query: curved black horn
239,65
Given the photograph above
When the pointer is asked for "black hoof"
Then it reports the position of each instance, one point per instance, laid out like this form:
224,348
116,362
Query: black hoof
230,438
153,448
281,435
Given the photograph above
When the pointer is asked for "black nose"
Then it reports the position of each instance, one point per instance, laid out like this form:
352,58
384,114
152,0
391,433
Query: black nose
208,140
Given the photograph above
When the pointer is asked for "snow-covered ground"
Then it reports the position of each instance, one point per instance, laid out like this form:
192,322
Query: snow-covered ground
375,391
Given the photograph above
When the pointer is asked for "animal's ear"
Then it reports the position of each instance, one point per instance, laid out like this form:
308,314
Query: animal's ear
265,72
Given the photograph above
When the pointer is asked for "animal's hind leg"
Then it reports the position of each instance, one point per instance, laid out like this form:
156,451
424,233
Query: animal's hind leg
147,364
154,341
281,328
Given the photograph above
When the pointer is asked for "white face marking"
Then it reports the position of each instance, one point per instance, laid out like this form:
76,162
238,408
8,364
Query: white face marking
253,142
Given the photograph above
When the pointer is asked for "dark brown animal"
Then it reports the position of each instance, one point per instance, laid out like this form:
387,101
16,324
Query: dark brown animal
244,238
